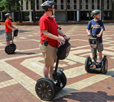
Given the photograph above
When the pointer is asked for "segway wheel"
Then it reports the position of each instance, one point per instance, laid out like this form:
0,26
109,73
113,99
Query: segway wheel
88,62
9,49
105,66
45,89
14,46
62,77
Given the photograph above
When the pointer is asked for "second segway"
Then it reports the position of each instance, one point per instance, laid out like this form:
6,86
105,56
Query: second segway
10,49
95,66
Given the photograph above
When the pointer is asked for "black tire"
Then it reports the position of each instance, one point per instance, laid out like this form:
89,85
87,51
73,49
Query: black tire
88,62
14,46
62,77
45,89
104,66
9,49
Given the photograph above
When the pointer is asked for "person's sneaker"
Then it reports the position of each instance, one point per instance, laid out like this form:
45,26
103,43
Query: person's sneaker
93,60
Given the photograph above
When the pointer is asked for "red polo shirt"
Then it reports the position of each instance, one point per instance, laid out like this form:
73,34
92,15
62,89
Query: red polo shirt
49,24
8,22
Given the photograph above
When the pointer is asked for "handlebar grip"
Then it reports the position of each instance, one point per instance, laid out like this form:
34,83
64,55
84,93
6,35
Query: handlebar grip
67,40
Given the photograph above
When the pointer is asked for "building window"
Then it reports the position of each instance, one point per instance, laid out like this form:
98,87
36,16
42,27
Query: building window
80,4
68,4
62,4
27,5
98,3
21,4
107,4
92,4
75,4
86,4
37,4
55,4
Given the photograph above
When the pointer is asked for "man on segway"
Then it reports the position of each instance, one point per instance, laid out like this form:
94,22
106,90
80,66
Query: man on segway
8,28
49,38
96,26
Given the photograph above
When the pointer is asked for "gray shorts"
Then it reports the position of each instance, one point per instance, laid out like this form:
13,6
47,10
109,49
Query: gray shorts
8,36
99,48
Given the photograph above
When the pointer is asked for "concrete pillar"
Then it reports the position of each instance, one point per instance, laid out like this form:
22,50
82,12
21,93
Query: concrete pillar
12,16
1,16
78,15
74,16
30,15
100,16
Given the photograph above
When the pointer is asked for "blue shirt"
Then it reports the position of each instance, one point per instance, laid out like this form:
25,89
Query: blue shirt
96,27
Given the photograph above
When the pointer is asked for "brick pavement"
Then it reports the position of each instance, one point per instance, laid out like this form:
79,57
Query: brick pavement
20,71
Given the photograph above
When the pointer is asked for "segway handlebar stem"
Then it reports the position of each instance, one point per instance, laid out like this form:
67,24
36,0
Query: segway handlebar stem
93,35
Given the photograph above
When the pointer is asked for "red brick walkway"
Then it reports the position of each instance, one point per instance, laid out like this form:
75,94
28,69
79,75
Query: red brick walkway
20,71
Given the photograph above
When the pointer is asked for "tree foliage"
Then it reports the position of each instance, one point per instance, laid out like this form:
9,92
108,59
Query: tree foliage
9,5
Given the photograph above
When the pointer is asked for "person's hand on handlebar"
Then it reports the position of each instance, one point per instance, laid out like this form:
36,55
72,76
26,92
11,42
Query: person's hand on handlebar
16,28
88,34
60,41
98,35
65,37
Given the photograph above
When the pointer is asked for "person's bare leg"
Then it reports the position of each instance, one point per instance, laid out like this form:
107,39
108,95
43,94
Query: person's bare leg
92,56
100,56
51,72
7,42
46,71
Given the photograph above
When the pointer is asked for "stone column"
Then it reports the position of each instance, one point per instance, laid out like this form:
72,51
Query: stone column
12,16
78,13
30,15
2,16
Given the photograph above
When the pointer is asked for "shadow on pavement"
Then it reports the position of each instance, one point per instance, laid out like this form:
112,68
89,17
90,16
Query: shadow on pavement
21,31
22,53
100,96
2,32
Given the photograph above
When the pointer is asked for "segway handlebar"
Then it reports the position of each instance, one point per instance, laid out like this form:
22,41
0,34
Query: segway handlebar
93,34
67,40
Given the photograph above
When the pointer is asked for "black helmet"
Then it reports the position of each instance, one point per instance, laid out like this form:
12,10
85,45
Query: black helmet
95,12
7,14
47,4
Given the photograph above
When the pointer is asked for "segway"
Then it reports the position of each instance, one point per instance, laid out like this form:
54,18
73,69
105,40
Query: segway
45,88
10,49
95,66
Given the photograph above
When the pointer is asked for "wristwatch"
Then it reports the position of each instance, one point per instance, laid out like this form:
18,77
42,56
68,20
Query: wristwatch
64,35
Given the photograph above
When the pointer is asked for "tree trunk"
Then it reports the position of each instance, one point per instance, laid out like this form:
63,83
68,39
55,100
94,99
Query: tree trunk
66,12
112,9
20,19
102,9
34,20
79,9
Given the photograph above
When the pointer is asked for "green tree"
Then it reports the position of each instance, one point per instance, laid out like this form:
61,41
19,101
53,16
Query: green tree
9,5
33,7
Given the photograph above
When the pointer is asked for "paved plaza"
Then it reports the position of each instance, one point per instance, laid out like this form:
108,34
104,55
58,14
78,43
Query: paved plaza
20,71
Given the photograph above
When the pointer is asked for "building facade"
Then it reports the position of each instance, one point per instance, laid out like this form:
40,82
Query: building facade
66,10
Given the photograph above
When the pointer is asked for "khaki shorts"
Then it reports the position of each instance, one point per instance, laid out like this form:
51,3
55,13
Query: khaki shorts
100,48
49,54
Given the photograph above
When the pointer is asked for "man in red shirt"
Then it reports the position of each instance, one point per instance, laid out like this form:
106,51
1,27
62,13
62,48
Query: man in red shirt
49,38
8,28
